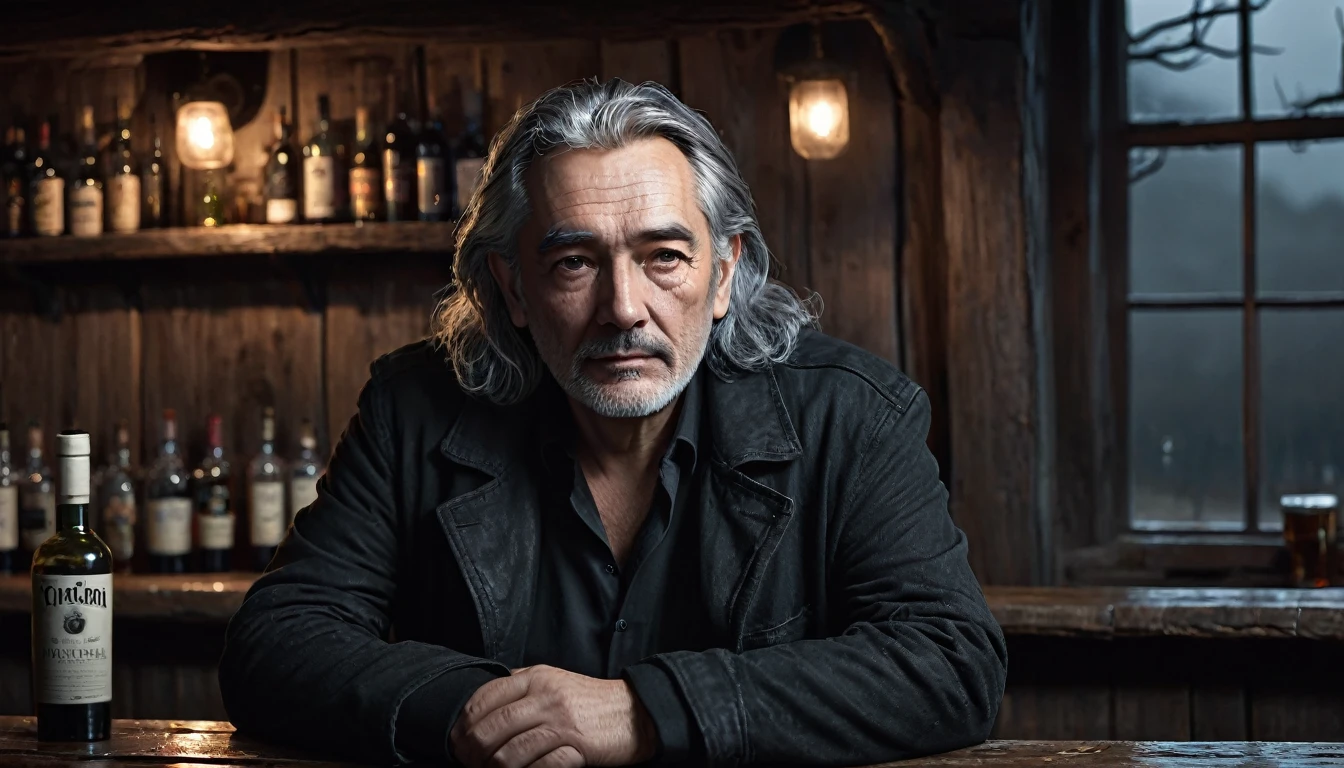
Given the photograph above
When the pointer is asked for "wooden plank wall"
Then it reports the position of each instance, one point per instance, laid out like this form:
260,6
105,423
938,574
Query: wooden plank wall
231,338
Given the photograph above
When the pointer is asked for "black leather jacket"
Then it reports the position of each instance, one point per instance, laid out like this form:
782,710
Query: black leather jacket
852,629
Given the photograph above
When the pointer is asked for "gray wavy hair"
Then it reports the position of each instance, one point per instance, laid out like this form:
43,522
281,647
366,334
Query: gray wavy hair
493,358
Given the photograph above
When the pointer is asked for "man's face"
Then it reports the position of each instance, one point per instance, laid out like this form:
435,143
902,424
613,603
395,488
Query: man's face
616,275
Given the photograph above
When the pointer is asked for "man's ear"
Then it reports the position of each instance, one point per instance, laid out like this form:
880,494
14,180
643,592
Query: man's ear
509,286
723,292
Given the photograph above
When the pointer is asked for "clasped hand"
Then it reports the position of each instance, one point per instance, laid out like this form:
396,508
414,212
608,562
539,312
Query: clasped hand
545,717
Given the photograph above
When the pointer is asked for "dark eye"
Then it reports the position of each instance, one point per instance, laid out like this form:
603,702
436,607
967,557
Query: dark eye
666,257
571,263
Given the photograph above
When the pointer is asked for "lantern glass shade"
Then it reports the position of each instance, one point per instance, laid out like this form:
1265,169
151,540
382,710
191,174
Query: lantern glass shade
204,136
818,117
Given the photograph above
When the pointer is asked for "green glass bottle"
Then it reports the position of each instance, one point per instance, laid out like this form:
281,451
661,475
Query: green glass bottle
72,612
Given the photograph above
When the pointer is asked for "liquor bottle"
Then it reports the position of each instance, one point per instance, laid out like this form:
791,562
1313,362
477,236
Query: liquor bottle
16,184
9,506
434,199
469,157
86,195
282,182
399,167
152,184
37,496
366,194
116,500
47,190
168,505
72,613
215,520
319,168
123,181
266,496
306,471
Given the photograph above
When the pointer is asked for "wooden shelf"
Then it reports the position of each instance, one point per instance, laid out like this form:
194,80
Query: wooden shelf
240,239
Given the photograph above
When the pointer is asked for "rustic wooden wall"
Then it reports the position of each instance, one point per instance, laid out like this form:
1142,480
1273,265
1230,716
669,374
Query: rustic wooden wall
231,337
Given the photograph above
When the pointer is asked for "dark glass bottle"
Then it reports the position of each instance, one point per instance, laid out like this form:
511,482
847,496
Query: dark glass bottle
366,180
72,613
116,500
86,195
153,187
123,179
168,505
282,180
37,495
215,520
433,158
16,182
469,156
399,167
266,496
46,187
319,168
9,506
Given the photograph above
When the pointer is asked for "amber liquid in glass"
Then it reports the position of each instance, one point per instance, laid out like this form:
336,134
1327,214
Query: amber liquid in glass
1310,537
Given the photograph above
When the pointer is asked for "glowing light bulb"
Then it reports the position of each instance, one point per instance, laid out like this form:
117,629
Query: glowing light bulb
201,133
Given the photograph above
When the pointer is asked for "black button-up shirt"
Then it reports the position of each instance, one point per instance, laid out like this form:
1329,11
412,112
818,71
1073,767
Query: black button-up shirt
595,618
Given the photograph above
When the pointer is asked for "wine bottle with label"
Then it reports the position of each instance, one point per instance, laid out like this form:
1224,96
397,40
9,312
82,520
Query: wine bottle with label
9,506
433,158
168,505
215,520
86,195
319,168
152,185
469,157
266,496
116,500
282,181
399,165
123,178
47,187
366,181
37,496
72,613
307,469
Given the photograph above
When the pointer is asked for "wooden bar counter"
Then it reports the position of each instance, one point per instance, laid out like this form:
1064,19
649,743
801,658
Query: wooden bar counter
147,743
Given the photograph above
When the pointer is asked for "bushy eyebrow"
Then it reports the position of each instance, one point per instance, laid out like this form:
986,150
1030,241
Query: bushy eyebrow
560,238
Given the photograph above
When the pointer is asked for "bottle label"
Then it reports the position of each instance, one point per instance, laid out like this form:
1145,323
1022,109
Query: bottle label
281,211
123,195
49,207
302,493
169,526
363,193
37,518
468,176
14,208
431,197
72,638
119,526
319,187
9,518
86,211
268,513
398,182
216,531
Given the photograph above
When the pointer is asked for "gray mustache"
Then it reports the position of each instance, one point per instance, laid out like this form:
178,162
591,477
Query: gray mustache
633,341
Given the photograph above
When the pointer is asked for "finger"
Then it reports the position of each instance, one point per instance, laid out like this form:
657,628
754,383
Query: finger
527,747
497,728
489,697
563,757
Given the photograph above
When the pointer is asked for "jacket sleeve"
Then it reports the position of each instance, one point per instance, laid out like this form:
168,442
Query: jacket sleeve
307,662
920,665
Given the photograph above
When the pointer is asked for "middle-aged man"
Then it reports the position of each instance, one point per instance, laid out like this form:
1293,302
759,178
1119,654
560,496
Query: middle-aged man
625,506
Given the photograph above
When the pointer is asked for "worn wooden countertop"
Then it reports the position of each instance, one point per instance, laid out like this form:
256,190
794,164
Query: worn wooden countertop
147,743
1064,611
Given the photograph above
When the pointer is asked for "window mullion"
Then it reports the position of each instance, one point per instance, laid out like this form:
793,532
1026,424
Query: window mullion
1250,324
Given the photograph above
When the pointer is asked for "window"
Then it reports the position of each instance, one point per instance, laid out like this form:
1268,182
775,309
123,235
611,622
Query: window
1235,252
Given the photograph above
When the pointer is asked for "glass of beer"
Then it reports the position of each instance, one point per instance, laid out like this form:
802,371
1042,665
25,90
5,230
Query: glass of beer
1309,522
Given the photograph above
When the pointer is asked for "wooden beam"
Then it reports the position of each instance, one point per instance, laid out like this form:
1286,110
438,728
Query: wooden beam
33,31
1234,132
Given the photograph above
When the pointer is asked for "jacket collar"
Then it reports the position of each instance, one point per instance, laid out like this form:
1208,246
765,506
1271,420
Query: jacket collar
746,421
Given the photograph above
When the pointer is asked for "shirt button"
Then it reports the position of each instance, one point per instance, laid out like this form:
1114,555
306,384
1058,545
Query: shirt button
610,568
621,625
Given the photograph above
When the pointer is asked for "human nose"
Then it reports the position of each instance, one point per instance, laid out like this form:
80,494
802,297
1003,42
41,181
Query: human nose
622,298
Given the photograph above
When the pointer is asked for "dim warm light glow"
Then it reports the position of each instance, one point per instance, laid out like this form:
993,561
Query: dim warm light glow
819,118
204,135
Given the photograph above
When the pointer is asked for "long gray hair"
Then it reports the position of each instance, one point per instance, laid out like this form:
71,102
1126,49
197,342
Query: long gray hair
493,358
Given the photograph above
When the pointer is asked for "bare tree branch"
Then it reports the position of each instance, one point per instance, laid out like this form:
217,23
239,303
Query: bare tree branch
1303,105
1141,166
1184,54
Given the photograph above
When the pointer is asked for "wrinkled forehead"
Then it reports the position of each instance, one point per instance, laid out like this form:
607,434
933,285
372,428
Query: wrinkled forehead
647,179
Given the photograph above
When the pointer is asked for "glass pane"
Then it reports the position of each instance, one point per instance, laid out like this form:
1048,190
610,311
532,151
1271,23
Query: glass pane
1185,454
1306,63
1302,416
1206,88
1185,220
1299,233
